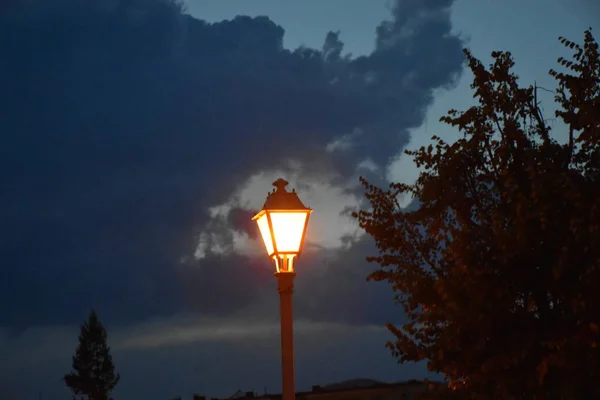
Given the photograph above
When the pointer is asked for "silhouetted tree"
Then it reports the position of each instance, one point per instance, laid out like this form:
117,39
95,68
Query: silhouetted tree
93,375
498,268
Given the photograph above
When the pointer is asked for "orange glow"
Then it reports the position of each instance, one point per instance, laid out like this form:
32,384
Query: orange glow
282,231
285,264
265,232
282,223
288,228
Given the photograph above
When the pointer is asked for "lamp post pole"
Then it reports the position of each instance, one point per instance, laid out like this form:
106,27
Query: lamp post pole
282,223
285,287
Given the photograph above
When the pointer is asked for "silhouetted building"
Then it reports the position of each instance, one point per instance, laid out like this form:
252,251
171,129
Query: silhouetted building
350,390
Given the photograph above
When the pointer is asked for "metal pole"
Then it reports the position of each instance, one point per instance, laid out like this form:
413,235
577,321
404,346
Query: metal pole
285,287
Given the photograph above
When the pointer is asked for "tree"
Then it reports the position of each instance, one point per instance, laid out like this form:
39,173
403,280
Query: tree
498,268
93,373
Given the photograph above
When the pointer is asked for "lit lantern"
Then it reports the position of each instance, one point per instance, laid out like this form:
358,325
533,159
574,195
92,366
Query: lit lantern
282,223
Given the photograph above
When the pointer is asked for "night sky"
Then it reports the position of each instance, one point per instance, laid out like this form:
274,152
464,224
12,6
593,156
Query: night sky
137,138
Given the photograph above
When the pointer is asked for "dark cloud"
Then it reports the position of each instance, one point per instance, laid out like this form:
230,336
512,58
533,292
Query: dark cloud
241,220
331,286
222,284
122,121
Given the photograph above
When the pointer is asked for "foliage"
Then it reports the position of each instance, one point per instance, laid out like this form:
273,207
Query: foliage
498,269
93,373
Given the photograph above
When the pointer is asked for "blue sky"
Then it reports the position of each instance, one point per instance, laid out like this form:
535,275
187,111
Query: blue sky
137,141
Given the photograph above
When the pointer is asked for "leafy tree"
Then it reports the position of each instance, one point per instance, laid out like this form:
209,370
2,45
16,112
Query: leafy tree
93,373
498,269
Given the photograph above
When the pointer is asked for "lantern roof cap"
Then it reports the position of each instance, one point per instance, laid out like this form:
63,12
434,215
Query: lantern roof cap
281,199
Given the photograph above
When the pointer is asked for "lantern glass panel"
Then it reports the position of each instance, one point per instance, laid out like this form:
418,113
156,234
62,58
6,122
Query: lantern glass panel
265,232
288,229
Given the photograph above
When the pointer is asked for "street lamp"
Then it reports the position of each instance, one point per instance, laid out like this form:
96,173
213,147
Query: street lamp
282,223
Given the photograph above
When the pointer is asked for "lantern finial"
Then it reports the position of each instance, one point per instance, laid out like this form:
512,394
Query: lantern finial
280,184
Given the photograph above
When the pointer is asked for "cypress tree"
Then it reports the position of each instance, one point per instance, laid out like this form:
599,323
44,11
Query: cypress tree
93,374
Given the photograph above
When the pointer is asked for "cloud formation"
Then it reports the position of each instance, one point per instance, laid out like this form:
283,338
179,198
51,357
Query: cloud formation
125,121
136,142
